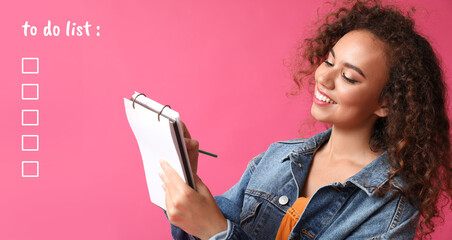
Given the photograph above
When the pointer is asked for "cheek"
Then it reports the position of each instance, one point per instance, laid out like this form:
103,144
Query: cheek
316,74
320,69
357,97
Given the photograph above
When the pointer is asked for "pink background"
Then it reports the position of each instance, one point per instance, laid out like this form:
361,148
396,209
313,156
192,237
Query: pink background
219,63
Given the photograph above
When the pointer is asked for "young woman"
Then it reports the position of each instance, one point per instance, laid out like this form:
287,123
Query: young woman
384,162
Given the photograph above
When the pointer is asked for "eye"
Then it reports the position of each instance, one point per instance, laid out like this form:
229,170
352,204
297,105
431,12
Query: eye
349,79
328,63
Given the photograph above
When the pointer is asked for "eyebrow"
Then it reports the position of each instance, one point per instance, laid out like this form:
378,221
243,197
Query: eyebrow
349,65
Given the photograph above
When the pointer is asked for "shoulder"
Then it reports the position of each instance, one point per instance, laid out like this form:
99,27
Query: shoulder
282,149
291,145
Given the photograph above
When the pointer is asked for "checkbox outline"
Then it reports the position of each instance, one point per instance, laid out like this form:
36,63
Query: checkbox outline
37,168
37,65
37,117
30,84
30,149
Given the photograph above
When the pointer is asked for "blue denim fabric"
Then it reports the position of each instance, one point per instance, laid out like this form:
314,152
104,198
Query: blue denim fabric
349,210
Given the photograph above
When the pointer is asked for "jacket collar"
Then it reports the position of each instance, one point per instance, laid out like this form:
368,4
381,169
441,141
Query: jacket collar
375,174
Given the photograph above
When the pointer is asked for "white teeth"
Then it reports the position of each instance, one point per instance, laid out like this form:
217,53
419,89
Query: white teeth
323,98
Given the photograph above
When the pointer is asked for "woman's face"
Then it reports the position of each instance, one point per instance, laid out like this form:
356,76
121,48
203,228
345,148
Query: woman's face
348,84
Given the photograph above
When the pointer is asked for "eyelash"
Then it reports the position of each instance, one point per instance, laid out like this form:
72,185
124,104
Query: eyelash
342,74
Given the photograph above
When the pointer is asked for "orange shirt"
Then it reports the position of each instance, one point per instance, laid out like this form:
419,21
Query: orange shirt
291,218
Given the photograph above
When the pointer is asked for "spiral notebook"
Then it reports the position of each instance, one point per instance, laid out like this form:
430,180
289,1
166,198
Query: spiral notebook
159,134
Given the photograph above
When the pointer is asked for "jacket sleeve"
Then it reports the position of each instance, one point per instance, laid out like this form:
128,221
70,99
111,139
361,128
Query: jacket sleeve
230,204
403,229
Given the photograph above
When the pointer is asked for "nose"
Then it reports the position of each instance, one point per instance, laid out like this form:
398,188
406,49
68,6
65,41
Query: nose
326,76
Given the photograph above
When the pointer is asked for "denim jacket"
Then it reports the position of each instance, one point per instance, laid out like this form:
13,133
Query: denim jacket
255,206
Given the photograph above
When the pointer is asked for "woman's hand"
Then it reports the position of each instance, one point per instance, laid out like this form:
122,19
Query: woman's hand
196,212
192,149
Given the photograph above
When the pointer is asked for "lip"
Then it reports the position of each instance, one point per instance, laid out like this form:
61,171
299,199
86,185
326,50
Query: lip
318,102
325,94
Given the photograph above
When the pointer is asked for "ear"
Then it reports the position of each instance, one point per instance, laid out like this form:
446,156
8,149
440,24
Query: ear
382,111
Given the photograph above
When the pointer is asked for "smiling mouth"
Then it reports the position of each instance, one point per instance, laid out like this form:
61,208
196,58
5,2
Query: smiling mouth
323,98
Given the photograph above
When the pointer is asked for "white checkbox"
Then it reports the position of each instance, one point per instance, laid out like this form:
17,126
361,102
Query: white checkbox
28,140
30,91
32,113
27,62
30,165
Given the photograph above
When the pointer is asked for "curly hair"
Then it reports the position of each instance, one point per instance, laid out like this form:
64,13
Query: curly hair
416,130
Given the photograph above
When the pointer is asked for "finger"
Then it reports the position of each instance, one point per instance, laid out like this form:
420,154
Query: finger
167,194
172,194
168,197
171,212
187,143
191,143
192,148
168,201
185,130
173,182
166,183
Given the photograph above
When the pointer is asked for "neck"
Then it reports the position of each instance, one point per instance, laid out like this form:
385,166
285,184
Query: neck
350,145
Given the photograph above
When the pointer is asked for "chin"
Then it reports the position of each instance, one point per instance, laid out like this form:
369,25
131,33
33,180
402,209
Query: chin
318,117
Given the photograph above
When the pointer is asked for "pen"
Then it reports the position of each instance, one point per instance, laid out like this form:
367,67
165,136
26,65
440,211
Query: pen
208,153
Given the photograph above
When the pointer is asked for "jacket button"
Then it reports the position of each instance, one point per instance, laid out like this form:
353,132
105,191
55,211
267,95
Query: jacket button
283,200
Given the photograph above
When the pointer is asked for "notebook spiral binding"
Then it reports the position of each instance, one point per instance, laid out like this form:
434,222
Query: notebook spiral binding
158,116
133,103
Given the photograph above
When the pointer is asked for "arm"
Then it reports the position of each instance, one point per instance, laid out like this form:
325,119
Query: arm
404,230
403,223
204,212
230,204
196,212
231,201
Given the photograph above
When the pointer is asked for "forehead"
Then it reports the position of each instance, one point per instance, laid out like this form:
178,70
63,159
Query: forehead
363,49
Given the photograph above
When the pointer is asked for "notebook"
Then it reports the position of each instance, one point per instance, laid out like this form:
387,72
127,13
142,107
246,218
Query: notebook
159,134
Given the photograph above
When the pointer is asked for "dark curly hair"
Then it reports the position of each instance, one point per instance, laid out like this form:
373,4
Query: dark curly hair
416,129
